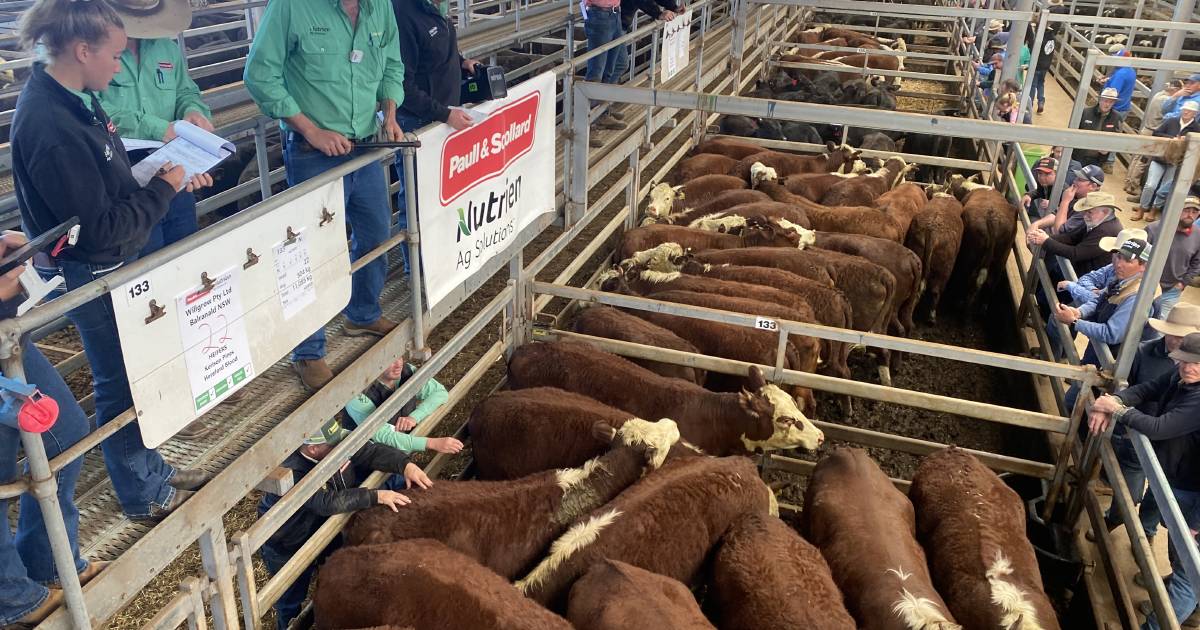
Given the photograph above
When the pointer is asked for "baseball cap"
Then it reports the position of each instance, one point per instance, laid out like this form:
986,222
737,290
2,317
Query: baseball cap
1091,172
1189,350
1109,93
1113,243
1116,49
330,433
1195,76
1047,164
1134,249
1191,202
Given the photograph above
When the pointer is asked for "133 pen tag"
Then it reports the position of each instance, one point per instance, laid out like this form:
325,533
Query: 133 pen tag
356,56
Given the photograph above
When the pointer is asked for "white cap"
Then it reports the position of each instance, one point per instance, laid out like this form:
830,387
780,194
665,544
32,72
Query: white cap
1109,93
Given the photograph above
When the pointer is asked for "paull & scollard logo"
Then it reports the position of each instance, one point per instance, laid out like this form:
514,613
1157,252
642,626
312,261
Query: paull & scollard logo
484,150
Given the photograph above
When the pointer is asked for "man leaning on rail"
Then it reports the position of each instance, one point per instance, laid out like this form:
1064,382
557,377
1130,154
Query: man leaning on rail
1174,429
340,494
323,68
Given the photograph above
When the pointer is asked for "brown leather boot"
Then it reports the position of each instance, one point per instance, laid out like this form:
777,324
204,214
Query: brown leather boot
377,328
1137,213
314,373
1153,214
39,614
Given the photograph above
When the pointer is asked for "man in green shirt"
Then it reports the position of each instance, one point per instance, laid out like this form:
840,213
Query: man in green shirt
324,68
148,94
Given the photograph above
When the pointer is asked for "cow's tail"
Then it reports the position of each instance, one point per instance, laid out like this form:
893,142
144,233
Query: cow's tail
927,259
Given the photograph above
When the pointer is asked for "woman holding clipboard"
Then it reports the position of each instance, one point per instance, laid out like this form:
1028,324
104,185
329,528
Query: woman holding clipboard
67,160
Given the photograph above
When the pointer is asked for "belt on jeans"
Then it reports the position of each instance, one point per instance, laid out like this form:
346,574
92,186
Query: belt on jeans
303,144
616,9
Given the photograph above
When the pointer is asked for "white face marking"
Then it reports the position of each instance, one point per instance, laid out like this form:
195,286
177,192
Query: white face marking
807,237
662,197
787,434
760,172
660,436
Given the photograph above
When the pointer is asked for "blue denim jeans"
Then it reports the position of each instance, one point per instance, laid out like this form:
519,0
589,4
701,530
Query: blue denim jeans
139,474
602,26
369,216
26,558
408,124
179,223
1179,586
1166,302
621,65
1135,479
1038,92
1159,178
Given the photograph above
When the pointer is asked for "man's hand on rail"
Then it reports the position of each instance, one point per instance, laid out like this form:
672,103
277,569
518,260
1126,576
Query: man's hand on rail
1066,314
392,499
328,142
1108,404
667,15
1098,421
414,476
10,285
391,130
1036,237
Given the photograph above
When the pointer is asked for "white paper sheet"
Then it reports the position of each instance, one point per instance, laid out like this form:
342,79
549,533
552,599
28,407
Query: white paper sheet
216,349
193,148
293,275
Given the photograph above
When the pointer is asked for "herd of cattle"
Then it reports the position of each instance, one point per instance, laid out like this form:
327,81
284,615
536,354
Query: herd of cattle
588,514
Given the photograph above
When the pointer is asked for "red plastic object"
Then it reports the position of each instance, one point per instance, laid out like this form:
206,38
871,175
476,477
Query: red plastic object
38,413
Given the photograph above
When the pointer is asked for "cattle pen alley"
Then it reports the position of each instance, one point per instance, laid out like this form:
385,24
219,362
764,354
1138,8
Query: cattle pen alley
591,185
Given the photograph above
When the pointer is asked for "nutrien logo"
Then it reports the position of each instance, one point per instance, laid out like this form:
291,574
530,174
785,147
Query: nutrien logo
486,149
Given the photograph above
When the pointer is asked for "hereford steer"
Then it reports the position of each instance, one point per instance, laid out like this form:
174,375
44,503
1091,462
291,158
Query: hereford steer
729,147
666,524
896,258
424,584
845,219
934,236
770,209
728,341
525,431
989,227
764,575
837,159
703,164
865,189
972,526
770,233
870,288
613,595
762,417
902,204
536,509
813,186
610,323
865,529
664,196
717,203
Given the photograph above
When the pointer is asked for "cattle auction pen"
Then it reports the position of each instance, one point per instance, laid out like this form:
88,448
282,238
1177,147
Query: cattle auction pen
601,192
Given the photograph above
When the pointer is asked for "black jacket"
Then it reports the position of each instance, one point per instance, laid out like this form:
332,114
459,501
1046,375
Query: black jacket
68,161
340,494
432,63
1094,120
653,8
1150,362
1170,128
1175,429
1081,246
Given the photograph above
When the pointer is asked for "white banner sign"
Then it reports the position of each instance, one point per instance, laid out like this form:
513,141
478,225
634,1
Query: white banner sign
675,45
492,180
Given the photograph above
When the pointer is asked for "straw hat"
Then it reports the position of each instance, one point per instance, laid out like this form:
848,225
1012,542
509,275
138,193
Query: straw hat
1182,321
1109,93
1111,244
995,26
155,19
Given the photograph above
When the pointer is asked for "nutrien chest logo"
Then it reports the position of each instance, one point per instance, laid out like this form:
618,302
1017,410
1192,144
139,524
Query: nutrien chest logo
485,150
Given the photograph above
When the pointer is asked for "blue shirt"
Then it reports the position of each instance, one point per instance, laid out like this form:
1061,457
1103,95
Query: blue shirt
1123,81
1111,331
1175,103
1090,283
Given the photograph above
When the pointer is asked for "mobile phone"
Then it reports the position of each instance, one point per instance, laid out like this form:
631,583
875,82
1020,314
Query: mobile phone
48,239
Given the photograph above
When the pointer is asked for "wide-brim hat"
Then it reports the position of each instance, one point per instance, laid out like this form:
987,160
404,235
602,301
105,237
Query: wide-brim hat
1096,199
155,19
1113,243
995,25
1182,321
1189,351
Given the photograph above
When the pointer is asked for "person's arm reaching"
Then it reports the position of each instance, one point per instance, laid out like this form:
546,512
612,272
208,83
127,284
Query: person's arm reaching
432,395
1181,419
391,89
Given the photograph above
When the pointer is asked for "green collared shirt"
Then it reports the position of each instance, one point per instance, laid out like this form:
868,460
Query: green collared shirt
150,92
307,58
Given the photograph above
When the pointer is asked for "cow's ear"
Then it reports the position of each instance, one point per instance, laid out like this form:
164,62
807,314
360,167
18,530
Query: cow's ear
831,146
755,379
604,432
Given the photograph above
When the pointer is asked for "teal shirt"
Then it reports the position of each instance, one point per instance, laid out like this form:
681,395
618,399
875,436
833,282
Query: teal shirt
301,62
150,92
432,396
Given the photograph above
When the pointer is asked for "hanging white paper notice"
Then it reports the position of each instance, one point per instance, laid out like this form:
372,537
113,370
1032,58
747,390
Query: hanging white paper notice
216,349
293,275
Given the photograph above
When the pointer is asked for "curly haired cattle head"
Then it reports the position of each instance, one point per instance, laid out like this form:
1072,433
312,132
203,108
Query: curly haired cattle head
789,426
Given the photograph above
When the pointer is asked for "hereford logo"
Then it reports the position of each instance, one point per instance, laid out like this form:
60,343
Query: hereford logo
484,150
